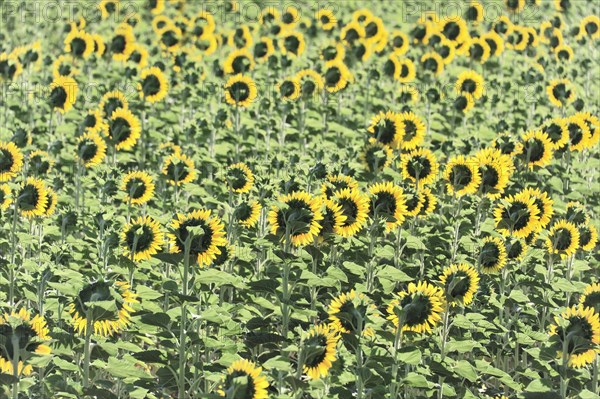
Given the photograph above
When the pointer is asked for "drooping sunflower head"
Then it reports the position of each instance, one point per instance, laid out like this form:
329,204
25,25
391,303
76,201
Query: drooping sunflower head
578,330
247,213
508,144
244,380
492,255
319,350
288,89
560,92
557,131
418,308
420,166
495,169
311,83
298,219
429,202
462,176
179,169
263,49
517,215
153,85
460,283
292,44
112,101
31,334
576,213
11,161
349,313
355,207
579,133
138,187
433,62
387,129
590,298
537,149
32,197
240,178
544,203
333,218
334,183
5,197
563,239
124,129
240,91
201,232
105,306
141,238
91,149
336,75
388,203
515,248
588,236
376,156
63,93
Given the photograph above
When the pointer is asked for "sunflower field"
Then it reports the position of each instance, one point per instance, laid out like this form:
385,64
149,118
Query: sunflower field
299,199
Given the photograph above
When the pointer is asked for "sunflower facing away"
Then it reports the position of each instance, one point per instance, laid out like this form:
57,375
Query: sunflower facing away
63,93
560,92
537,149
240,178
460,282
414,130
124,129
179,169
138,187
311,83
240,91
288,89
333,219
563,239
580,327
495,169
349,313
52,201
11,161
462,176
334,183
355,207
32,197
418,308
517,215
388,203
557,131
114,314
387,129
579,133
588,236
244,380
207,235
247,213
591,297
299,218
141,238
544,203
153,85
319,348
30,333
112,101
420,166
91,149
515,248
492,255
429,202
576,213
5,197
376,156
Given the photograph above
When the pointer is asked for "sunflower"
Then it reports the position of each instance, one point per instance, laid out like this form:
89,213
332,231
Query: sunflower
415,200
202,24
50,207
334,183
153,85
563,53
432,61
30,56
292,44
288,89
207,236
351,32
376,156
311,83
560,92
114,314
405,71
579,133
319,348
590,298
161,23
326,19
290,16
240,178
124,129
475,12
495,43
32,197
121,45
269,15
446,49
460,282
79,43
138,187
387,129
5,197
332,51
139,56
156,6
247,213
537,149
179,169
244,380
392,66
63,93
563,239
388,203
171,37
517,215
420,166
418,308
112,101
454,29
240,91
238,61
576,213
10,67
263,49
593,123
141,238
333,218
562,5
515,248
462,175
477,49
399,42
492,255
337,76
299,218
240,37
40,162
30,333
429,202
544,203
588,236
349,313
108,7
508,144
63,66
580,326
207,45
503,26
470,82
517,39
590,26
91,149
355,207
11,160
557,131
414,130
495,169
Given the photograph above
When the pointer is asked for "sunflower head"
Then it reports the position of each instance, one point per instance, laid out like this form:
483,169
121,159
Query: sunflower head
336,76
247,213
240,91
138,187
91,149
141,238
577,329
355,207
492,255
588,236
387,129
11,161
460,282
244,380
560,92
563,239
31,334
388,203
311,83
153,85
240,178
418,308
334,183
179,169
591,297
5,197
63,93
349,313
462,176
495,169
517,215
333,219
319,351
420,166
537,149
507,144
124,129
576,213
298,219
32,197
515,248
376,156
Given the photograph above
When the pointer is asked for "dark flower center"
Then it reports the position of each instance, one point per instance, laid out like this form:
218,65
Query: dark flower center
29,197
417,309
87,150
200,241
136,188
120,129
145,237
58,97
297,217
240,91
118,44
562,239
384,204
460,177
534,150
6,160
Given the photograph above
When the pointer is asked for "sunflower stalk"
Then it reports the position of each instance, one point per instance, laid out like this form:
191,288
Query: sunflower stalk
182,328
86,347
13,252
456,214
359,358
394,388
15,364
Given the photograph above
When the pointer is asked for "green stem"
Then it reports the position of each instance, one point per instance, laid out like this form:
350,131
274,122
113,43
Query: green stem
86,349
182,343
15,362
